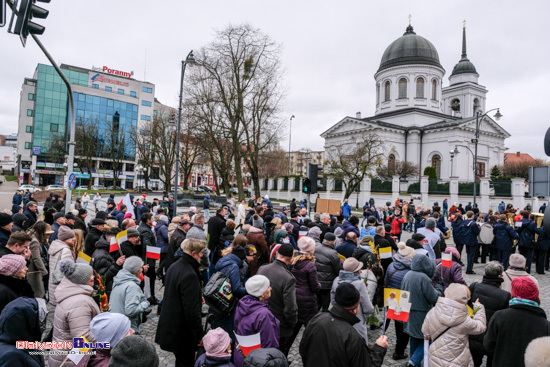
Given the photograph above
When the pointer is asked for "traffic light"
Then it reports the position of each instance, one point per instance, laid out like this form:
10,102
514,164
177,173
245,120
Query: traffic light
313,169
306,185
27,11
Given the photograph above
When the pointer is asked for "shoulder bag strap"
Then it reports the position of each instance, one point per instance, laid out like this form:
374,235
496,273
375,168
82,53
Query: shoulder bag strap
444,331
508,276
389,278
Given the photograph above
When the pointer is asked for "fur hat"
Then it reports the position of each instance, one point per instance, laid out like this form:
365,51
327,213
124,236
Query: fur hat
64,233
517,261
134,351
133,264
405,250
347,295
77,273
352,264
257,285
537,353
457,292
11,264
524,287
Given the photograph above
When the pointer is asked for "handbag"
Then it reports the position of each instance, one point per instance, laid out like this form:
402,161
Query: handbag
218,294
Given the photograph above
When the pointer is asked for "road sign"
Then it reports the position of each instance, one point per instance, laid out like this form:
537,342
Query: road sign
72,181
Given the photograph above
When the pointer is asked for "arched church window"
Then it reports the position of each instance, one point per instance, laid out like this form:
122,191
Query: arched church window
420,88
391,164
455,105
477,106
402,88
377,94
434,90
436,163
387,91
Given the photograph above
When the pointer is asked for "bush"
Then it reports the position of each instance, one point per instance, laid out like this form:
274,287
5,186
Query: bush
10,178
430,172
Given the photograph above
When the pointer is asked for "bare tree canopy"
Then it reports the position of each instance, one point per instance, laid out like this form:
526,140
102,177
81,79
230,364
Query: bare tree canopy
403,169
87,149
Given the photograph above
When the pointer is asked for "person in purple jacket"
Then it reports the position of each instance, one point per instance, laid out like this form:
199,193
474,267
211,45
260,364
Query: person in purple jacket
449,275
252,316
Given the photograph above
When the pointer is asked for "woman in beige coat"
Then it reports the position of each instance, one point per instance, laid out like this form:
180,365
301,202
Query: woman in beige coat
75,306
37,268
448,326
62,248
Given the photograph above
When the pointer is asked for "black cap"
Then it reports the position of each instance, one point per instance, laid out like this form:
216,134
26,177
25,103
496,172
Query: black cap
58,215
98,222
347,296
82,211
330,237
5,219
240,252
70,216
286,249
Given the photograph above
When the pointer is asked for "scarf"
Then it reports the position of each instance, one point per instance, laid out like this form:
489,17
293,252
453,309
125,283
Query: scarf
521,301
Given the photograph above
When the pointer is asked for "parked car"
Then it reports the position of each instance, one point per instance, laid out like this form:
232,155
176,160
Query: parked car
31,188
235,191
82,188
115,188
98,187
54,187
202,188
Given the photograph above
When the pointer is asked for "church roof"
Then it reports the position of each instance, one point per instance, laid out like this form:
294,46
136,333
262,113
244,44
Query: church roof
464,66
409,49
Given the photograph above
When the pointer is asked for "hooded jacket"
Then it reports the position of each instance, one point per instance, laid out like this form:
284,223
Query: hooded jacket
307,286
18,220
327,263
253,316
396,271
104,263
265,357
348,227
12,288
127,298
418,282
161,230
449,275
58,250
365,255
73,313
229,265
504,234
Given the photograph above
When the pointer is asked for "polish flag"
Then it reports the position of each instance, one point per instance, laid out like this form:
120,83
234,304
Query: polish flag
302,234
385,252
114,245
446,260
153,252
83,258
249,342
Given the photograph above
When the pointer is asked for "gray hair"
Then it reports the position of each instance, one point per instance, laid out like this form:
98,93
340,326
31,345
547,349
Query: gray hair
493,269
316,217
380,229
325,216
192,245
431,223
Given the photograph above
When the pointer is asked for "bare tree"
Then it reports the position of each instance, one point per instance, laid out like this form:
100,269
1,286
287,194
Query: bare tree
190,150
403,169
521,168
87,136
56,149
143,141
164,135
352,163
272,162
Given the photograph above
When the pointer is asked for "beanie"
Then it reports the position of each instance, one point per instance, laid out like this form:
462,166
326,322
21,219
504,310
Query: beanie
134,351
457,292
77,273
454,251
315,231
405,250
133,264
82,211
257,285
5,219
11,264
524,287
19,218
286,249
164,218
127,215
110,327
330,237
517,261
132,232
240,252
347,296
306,244
216,342
257,221
64,233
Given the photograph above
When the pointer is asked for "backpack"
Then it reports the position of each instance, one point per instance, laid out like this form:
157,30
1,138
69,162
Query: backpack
486,234
45,256
218,294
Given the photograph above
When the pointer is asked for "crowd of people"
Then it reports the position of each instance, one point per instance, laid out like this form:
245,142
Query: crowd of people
267,274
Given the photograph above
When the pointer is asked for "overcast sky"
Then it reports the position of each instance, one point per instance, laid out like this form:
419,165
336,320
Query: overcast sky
331,51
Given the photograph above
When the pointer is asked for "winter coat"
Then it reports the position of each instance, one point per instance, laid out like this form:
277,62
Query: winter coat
396,271
418,282
347,248
271,357
229,265
327,263
365,305
449,275
181,307
307,286
89,244
370,230
23,312
208,361
331,341
510,274
396,222
120,217
253,316
31,218
37,269
128,249
504,234
510,332
105,264
216,224
227,235
256,238
527,233
282,302
365,255
127,298
451,347
147,238
380,241
346,210
171,229
458,238
177,238
161,231
348,227
58,250
73,313
18,220
4,236
12,288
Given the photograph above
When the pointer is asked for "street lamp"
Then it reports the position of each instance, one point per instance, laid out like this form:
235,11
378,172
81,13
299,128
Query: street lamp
139,170
190,59
479,118
289,141
453,153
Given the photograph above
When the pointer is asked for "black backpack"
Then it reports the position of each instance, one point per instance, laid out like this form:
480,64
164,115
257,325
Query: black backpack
45,256
218,294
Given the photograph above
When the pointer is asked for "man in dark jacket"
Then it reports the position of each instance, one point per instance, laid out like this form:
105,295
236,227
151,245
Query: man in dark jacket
59,220
120,214
216,225
330,339
494,299
129,247
510,331
324,224
348,246
328,267
16,200
177,238
295,225
31,214
95,233
147,238
104,263
504,236
526,243
80,221
471,230
6,224
18,222
283,294
182,306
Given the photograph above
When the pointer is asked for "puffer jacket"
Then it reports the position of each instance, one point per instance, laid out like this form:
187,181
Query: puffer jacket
348,227
58,250
230,266
365,255
307,285
327,263
127,298
73,313
161,230
396,271
105,264
451,347
365,306
504,234
449,275
265,357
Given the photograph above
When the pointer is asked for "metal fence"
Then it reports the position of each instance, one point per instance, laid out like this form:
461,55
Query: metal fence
378,185
501,188
437,188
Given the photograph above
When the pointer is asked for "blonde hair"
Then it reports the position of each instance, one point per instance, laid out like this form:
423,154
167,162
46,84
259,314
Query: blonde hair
192,245
176,219
79,244
276,221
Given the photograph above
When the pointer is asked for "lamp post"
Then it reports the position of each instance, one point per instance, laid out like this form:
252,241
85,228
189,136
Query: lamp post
139,170
453,153
289,142
479,118
190,59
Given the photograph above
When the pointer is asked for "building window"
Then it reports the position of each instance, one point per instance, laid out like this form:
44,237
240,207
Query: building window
387,91
147,90
402,88
146,103
434,90
436,163
31,97
420,88
133,94
54,128
95,86
108,89
27,145
377,94
30,113
480,171
121,91
28,129
391,164
455,105
146,118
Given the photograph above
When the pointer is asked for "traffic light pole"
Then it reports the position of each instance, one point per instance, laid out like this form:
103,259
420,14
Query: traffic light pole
70,159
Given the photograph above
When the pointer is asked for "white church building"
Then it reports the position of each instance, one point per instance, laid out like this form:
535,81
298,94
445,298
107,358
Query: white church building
421,120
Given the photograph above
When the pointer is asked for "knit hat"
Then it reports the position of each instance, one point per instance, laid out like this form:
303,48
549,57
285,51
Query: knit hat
279,235
306,244
5,219
351,264
418,237
127,215
347,295
457,292
240,252
288,227
454,251
133,264
82,211
524,287
19,218
132,232
330,237
366,241
315,231
98,222
257,222
110,327
286,249
216,342
70,216
517,261
58,215
405,250
134,351
11,264
257,285
537,353
64,233
164,218
78,273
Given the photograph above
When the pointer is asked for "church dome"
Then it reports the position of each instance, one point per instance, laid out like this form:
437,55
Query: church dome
464,66
410,49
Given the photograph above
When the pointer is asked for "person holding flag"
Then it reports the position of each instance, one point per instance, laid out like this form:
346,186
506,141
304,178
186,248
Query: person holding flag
102,260
448,269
